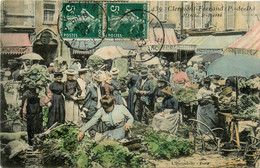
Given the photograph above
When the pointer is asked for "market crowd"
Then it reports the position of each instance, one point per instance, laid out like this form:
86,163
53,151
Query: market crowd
96,99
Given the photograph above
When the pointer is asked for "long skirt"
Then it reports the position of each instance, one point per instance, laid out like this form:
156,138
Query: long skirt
56,111
72,112
167,122
207,115
34,119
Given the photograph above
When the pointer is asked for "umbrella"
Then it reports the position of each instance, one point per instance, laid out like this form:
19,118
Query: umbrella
111,52
235,65
153,61
195,59
31,56
210,57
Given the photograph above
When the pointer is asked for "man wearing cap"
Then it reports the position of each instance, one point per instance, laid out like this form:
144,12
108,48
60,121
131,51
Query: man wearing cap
200,75
118,98
144,96
117,119
94,93
206,110
51,68
132,84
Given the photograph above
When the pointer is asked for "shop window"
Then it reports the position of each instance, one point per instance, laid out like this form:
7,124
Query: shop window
163,12
49,12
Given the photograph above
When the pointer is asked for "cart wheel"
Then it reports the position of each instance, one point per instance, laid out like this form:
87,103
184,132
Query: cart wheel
210,134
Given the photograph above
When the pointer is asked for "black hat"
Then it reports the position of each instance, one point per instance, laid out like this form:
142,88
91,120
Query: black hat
56,74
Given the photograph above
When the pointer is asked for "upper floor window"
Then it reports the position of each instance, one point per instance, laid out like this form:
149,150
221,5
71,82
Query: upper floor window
187,15
49,12
207,15
198,15
230,15
163,11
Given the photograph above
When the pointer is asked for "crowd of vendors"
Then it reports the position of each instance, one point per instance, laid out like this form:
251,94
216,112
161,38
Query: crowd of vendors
97,99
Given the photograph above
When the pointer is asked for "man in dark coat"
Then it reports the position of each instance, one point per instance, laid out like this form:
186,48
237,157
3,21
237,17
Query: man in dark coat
32,112
144,96
132,84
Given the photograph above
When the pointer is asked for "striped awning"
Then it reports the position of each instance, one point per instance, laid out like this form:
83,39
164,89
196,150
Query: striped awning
155,37
15,43
190,43
250,41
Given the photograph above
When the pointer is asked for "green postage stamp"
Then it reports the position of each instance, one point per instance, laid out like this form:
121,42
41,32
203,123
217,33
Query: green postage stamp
127,20
82,20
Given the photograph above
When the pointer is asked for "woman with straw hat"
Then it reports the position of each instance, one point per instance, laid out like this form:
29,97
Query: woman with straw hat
72,91
169,118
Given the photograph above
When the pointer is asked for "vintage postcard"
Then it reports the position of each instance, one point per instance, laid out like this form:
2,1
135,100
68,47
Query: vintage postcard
130,83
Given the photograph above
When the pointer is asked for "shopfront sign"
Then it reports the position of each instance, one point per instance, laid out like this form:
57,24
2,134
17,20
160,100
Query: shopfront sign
206,51
165,48
16,50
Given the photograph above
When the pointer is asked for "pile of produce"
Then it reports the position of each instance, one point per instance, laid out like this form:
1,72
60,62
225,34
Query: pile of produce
37,77
247,105
244,83
187,95
163,146
227,102
61,148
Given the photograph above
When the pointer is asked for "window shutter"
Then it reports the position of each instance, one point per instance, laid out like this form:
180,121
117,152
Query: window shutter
160,9
166,12
230,16
163,11
207,15
198,15
187,15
